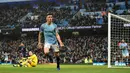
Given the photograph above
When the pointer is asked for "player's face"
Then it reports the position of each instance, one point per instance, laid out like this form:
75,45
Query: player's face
49,18
123,41
22,44
30,53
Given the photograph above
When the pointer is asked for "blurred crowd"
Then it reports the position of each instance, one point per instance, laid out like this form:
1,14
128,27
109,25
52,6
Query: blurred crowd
87,20
34,15
92,47
81,47
60,16
92,7
12,15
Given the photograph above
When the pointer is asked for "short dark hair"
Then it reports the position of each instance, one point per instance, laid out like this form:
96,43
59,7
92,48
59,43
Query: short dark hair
49,13
31,51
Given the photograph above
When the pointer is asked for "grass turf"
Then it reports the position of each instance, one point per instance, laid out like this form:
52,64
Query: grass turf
64,69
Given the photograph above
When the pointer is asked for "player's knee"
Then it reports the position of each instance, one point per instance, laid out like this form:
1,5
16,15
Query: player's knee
127,56
46,51
56,53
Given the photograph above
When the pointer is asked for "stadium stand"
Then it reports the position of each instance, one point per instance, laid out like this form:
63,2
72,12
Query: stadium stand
70,14
94,47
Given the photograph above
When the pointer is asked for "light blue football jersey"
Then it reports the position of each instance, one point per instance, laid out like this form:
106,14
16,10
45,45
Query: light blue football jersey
49,33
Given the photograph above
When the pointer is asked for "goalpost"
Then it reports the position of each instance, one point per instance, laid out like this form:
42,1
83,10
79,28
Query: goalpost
118,29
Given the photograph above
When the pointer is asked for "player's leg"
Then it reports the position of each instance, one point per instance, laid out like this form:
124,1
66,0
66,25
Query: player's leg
24,63
51,53
6,60
124,60
57,60
56,53
126,56
18,63
46,52
31,64
21,64
127,60
28,65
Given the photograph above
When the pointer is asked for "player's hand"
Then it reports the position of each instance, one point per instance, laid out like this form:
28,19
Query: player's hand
39,45
29,61
61,45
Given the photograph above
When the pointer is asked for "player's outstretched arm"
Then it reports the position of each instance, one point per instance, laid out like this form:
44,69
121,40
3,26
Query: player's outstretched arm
59,40
39,40
122,47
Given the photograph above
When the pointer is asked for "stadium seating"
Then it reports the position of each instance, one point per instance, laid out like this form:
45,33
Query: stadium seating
94,47
69,14
11,15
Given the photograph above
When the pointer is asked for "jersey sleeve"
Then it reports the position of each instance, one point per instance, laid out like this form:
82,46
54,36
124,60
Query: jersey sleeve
56,29
123,46
34,59
127,45
120,46
42,28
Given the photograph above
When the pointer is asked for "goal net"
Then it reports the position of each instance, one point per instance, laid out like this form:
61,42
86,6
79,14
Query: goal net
118,29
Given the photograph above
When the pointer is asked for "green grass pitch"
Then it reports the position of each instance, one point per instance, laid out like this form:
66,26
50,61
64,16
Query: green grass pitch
64,69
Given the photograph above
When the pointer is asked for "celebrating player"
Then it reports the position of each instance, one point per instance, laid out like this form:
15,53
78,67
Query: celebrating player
51,38
125,53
